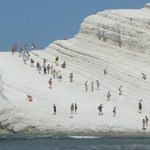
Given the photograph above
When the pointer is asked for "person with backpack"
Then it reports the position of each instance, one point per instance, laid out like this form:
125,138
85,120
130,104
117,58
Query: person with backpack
64,65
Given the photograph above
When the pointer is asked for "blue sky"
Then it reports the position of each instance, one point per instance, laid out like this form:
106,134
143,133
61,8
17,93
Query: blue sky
44,21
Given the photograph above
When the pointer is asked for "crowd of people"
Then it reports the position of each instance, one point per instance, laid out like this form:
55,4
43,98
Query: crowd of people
56,74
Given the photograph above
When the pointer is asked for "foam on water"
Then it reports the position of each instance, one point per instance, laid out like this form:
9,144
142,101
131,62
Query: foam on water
84,137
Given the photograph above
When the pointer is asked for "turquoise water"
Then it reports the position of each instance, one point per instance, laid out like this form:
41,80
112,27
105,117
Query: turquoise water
45,142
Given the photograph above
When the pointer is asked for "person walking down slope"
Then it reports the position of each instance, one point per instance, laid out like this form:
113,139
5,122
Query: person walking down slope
108,96
75,107
114,111
54,108
72,108
86,86
100,107
50,83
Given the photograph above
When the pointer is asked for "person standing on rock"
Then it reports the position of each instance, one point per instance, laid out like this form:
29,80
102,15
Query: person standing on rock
54,108
59,76
114,111
75,107
37,65
50,83
39,68
105,71
71,77
44,70
56,60
97,84
72,108
20,52
140,106
146,119
100,107
86,86
92,86
108,96
32,46
143,76
120,90
44,62
32,62
144,124
48,68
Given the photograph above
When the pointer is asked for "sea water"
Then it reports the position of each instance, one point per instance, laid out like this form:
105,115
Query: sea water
48,142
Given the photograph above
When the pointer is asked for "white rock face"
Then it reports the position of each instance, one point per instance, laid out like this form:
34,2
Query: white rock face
124,28
128,29
147,5
118,40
